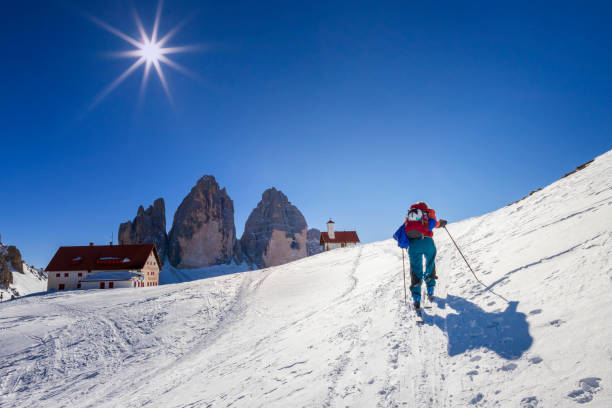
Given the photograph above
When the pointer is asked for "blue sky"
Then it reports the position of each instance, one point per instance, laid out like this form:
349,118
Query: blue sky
354,110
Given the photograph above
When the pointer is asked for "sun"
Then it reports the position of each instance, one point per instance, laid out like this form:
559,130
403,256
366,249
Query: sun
149,51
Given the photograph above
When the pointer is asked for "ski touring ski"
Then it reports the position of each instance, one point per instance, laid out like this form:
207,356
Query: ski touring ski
419,316
426,304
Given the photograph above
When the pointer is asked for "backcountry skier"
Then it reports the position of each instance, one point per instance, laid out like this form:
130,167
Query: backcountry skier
419,225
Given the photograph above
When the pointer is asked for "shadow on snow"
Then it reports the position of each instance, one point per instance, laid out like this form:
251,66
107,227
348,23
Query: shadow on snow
506,333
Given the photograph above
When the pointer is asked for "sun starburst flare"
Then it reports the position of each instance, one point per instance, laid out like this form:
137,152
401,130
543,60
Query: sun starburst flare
149,52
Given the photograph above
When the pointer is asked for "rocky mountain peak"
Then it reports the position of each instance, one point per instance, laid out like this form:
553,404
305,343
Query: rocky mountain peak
274,195
148,227
207,184
313,241
203,231
275,232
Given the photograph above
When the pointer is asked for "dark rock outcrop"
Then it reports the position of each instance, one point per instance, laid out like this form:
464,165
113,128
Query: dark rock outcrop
313,241
275,232
148,227
14,257
203,231
6,276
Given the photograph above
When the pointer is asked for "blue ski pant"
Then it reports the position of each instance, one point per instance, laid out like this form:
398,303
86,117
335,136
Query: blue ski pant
419,249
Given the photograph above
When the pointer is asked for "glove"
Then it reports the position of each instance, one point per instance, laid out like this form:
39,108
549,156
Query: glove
442,224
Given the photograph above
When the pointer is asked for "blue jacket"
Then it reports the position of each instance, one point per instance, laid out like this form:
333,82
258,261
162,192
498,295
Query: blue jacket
401,238
432,223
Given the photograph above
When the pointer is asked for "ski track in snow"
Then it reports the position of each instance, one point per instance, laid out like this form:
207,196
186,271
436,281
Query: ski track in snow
333,330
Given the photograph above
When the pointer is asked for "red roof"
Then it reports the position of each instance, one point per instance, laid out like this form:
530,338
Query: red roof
102,257
339,237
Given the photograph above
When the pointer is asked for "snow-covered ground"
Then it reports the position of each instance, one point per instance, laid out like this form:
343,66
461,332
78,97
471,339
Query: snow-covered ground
170,274
333,329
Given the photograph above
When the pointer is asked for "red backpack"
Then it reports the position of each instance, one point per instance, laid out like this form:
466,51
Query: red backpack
417,221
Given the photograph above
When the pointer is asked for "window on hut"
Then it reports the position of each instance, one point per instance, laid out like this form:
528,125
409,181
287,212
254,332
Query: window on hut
106,260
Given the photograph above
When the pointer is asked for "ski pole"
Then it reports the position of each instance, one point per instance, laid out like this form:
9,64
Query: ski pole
404,269
461,253
471,270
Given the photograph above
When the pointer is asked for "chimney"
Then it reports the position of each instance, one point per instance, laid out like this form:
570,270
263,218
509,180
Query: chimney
91,244
330,229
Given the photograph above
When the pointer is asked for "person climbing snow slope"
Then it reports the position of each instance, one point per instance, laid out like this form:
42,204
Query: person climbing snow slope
419,226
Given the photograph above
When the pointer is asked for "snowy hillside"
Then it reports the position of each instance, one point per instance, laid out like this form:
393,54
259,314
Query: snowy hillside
333,329
32,279
170,274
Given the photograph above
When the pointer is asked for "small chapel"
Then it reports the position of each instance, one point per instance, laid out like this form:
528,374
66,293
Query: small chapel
337,239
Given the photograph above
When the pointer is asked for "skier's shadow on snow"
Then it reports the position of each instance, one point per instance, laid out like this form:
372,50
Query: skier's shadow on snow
506,333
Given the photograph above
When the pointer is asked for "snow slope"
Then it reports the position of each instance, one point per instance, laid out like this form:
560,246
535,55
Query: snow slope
170,274
333,329
32,280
